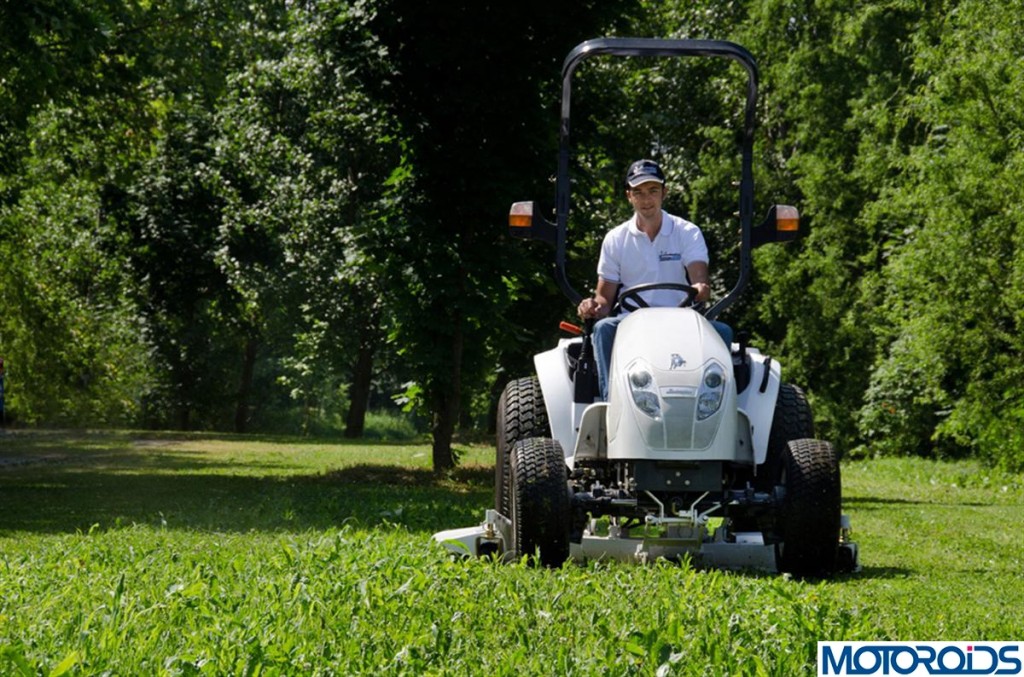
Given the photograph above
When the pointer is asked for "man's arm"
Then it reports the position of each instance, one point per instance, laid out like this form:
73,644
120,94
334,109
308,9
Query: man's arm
601,304
697,272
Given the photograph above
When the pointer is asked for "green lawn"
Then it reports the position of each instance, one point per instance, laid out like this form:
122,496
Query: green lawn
173,554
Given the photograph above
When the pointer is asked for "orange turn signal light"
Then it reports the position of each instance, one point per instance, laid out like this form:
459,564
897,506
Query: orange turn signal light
521,215
787,218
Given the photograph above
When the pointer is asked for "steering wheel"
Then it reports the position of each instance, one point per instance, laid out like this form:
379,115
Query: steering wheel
631,300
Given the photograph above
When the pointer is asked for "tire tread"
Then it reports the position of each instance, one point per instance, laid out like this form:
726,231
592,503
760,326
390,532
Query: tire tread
540,500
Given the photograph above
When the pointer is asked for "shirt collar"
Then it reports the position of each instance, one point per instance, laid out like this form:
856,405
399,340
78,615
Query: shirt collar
667,225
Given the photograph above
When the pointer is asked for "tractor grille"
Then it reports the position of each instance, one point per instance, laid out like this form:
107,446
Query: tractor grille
678,417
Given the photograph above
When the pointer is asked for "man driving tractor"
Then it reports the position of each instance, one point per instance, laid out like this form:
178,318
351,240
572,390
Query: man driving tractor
653,246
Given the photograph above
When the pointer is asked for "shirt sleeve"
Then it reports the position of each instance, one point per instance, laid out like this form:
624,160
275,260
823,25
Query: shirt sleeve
694,247
608,267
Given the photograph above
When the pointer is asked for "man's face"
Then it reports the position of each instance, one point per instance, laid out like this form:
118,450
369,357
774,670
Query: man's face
646,198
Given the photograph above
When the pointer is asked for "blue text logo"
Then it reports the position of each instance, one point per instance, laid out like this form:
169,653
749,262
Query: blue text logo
919,658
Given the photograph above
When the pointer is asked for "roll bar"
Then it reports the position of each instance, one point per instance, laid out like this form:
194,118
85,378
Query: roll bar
524,222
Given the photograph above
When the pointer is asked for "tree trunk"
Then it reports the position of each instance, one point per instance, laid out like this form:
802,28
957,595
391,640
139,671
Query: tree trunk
444,429
359,389
447,401
245,385
184,417
184,394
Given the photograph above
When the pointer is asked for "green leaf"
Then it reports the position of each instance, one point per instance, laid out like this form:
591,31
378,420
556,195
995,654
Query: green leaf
65,665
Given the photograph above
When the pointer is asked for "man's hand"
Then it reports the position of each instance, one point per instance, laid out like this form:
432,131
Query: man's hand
703,292
593,308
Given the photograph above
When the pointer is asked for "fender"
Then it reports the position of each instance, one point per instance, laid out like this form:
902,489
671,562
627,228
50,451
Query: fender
563,414
757,401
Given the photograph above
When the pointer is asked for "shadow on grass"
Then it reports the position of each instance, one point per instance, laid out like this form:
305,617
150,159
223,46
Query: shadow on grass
877,573
33,441
878,502
397,476
179,491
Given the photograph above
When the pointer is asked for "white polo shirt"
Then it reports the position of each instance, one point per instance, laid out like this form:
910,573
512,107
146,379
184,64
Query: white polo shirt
629,257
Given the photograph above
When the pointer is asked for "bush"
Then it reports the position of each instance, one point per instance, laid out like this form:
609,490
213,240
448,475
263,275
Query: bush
389,426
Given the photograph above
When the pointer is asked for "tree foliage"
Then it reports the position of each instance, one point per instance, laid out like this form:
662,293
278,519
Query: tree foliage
949,378
237,216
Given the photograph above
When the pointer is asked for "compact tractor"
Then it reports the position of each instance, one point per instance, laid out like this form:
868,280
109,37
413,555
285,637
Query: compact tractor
700,451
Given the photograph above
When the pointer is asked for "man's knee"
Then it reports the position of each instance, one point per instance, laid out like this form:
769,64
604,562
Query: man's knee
604,330
724,330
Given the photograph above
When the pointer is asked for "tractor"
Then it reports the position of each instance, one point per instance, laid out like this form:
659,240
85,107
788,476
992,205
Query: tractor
701,451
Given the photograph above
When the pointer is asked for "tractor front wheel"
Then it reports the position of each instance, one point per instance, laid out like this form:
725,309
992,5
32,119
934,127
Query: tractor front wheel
808,523
539,498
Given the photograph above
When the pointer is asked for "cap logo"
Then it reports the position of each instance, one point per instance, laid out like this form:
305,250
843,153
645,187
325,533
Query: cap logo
642,171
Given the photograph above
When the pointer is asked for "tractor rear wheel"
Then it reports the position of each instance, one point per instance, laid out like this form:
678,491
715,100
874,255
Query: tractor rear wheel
539,500
521,415
792,420
808,522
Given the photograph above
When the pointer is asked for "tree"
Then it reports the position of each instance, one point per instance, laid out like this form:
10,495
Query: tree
168,210
474,110
68,331
832,73
949,381
69,121
304,156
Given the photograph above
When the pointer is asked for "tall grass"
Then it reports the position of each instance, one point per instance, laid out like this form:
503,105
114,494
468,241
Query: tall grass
220,555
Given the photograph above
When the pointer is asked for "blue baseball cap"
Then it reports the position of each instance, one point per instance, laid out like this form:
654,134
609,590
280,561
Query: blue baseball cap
643,171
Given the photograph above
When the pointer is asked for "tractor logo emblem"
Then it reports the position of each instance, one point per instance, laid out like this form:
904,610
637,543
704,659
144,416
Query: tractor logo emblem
677,361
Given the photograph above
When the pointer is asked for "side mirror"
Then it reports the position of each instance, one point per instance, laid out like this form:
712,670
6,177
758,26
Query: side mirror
524,223
782,224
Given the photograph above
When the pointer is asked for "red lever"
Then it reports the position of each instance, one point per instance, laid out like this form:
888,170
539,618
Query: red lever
571,328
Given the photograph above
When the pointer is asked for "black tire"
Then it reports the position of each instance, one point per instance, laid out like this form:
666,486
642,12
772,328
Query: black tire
521,415
539,498
793,420
808,522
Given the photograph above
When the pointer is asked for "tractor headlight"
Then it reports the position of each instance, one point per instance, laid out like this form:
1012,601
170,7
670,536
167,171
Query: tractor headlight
643,390
711,392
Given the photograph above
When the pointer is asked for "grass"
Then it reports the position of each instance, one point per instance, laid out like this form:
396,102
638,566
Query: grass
176,554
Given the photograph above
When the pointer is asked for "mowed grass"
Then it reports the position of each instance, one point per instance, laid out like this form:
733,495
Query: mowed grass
170,554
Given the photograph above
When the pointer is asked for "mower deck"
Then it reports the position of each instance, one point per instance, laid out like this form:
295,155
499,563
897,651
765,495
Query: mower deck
743,551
